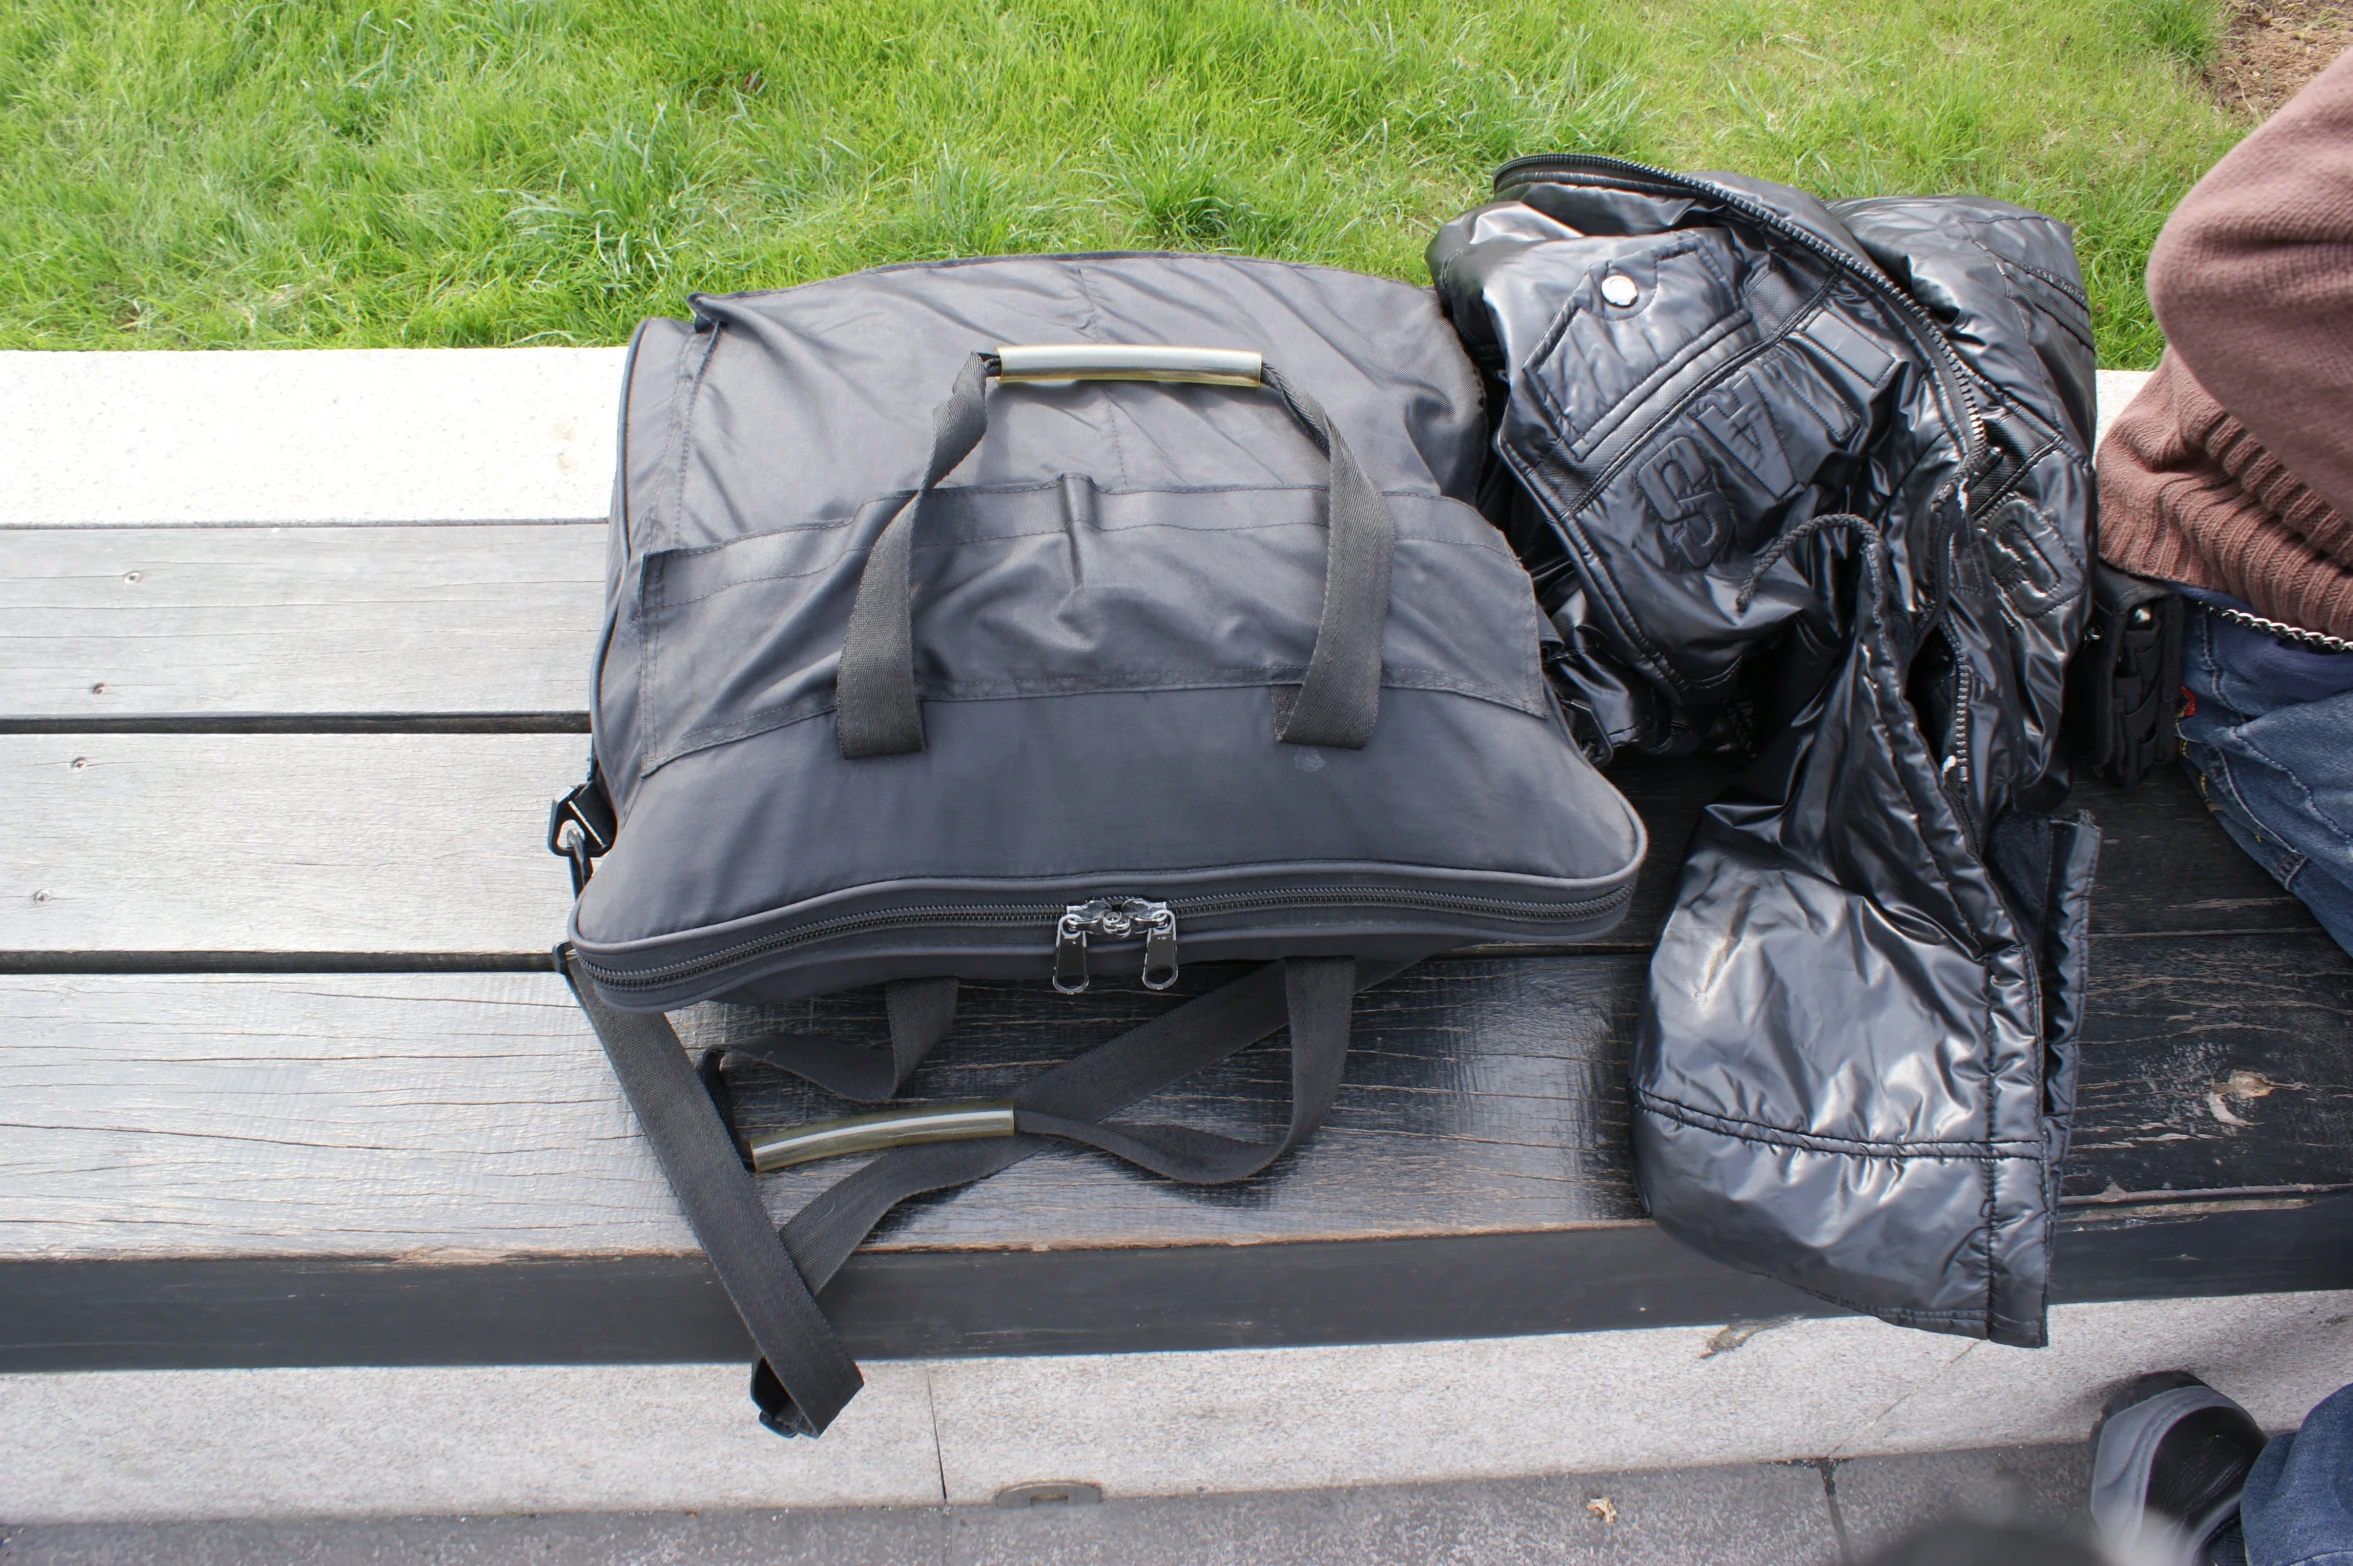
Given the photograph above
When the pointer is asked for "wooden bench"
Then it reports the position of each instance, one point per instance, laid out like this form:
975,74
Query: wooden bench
296,659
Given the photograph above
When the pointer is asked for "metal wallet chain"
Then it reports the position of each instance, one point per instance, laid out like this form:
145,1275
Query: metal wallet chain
2287,633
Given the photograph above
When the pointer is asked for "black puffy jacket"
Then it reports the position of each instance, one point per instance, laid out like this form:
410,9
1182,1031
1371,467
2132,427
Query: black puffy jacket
1810,485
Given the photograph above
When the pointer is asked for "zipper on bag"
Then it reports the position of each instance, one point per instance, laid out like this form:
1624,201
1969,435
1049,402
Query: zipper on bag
1069,925
1116,918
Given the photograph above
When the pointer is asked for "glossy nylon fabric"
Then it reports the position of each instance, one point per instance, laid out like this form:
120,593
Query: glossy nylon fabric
1113,597
1809,486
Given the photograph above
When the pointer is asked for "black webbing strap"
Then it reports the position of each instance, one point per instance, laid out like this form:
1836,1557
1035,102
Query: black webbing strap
1315,997
875,709
1077,1099
920,1012
724,1210
1338,701
805,1376
1341,695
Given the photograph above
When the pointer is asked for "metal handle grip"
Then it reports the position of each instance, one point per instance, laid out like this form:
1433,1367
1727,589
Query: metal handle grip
1129,362
806,1144
877,712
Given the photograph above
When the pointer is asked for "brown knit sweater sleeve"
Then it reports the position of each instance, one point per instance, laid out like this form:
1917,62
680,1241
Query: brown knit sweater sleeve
2252,280
2186,495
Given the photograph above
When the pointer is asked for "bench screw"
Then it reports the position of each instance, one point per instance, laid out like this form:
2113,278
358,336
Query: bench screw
98,689
131,576
40,897
80,762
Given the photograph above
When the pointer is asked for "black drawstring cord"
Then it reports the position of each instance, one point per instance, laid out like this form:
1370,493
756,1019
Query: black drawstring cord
1782,545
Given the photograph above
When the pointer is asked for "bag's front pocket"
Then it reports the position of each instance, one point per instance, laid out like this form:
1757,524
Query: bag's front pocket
1063,589
745,636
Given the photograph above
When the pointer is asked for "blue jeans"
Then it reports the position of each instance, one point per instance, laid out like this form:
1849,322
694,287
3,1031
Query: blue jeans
2267,735
2298,1505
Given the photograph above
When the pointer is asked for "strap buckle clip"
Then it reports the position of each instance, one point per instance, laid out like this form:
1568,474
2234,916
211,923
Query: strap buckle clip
581,826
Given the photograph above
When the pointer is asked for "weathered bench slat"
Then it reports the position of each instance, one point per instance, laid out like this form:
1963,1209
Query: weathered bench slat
470,1115
2215,1062
144,439
167,622
278,843
474,1115
434,1170
107,624
284,845
203,1313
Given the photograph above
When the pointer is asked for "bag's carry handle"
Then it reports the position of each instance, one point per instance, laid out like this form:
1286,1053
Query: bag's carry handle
1314,996
1130,362
876,711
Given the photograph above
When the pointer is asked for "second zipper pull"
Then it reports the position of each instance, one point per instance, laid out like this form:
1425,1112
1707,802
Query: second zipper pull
1115,918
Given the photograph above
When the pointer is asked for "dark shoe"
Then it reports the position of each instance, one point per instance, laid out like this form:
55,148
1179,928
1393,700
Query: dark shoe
2169,1458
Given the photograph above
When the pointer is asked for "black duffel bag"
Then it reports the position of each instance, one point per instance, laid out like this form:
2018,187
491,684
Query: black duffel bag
1180,642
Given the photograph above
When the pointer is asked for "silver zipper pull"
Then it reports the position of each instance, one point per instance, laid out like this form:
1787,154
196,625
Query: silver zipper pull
1070,949
1116,918
1160,955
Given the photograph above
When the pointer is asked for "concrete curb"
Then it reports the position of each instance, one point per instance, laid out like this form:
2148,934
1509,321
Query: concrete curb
383,1442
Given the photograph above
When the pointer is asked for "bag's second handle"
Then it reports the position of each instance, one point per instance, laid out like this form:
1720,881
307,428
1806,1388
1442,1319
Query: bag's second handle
1337,702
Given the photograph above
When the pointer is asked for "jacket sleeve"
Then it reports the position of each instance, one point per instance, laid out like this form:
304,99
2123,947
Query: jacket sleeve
2252,280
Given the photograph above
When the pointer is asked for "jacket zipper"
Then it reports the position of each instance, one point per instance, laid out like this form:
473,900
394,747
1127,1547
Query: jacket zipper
1951,375
2009,486
1953,774
1072,922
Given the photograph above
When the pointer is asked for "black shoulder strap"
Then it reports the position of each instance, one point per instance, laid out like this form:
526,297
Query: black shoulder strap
920,1012
805,1375
723,1209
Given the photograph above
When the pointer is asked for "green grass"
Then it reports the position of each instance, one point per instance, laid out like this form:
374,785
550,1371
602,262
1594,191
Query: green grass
178,173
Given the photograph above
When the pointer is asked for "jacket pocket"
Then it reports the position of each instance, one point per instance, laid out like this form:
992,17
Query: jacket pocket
1612,345
1719,487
